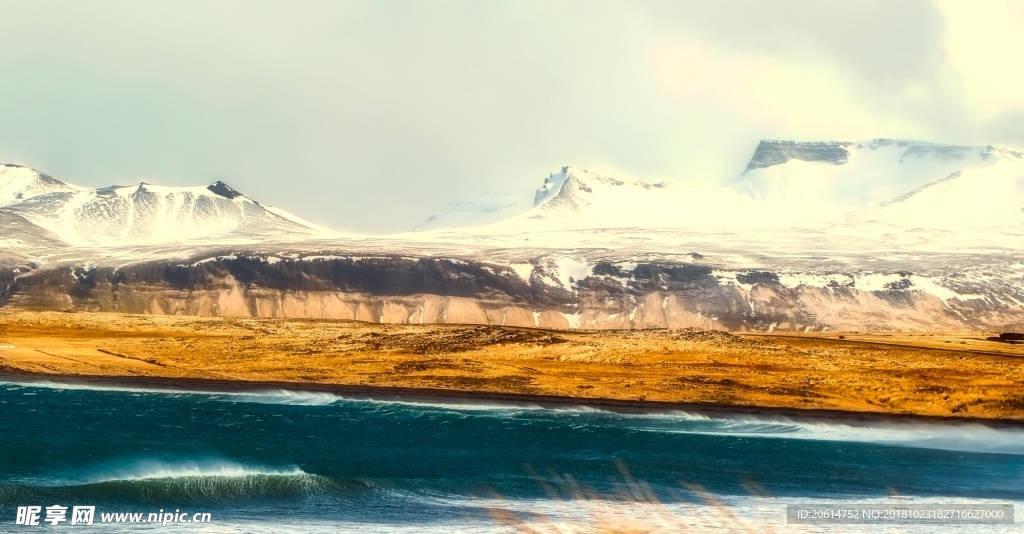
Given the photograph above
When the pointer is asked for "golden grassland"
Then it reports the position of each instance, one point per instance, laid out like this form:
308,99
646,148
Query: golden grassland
940,374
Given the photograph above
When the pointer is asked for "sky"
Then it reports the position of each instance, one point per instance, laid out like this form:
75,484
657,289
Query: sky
369,116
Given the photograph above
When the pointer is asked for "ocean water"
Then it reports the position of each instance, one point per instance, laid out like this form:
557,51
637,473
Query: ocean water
280,461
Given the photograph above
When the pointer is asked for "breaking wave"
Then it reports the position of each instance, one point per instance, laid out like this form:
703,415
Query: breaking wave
963,437
282,396
185,481
203,468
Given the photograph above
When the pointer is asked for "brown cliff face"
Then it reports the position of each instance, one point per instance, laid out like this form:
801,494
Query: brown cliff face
432,290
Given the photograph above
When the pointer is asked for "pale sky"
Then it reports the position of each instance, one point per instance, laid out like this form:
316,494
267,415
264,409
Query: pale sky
370,116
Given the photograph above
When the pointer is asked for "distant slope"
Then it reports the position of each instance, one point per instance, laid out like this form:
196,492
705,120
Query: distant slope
819,183
786,184
855,173
578,198
18,233
489,208
987,193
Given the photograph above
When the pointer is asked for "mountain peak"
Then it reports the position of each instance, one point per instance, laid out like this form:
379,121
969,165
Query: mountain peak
19,183
551,186
140,214
224,190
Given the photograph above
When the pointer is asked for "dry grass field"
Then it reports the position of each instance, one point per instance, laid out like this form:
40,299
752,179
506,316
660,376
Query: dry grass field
925,374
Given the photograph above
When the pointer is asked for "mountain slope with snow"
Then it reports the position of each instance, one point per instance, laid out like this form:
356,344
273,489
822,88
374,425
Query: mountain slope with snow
575,191
18,233
490,207
42,211
19,183
575,198
148,214
805,182
792,186
985,193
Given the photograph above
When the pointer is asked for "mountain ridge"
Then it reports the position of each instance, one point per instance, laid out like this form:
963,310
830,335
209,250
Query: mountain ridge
142,213
18,183
896,236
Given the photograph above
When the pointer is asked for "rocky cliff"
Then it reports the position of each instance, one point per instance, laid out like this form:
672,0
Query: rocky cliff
536,294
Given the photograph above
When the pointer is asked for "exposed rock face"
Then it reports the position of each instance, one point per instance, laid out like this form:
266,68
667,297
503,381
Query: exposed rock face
769,153
224,190
431,290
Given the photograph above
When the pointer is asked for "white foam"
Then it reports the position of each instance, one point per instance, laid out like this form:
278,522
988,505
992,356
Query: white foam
963,437
47,384
155,469
952,436
282,396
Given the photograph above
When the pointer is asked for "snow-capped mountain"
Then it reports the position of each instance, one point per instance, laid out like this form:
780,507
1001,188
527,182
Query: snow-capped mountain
787,184
873,235
580,193
578,198
819,181
19,183
568,192
42,211
984,192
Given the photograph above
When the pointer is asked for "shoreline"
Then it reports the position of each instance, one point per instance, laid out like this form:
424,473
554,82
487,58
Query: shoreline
469,397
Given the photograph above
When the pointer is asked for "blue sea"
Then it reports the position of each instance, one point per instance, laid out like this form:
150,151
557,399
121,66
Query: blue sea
285,461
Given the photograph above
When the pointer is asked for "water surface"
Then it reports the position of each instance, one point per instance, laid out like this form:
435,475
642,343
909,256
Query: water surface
307,462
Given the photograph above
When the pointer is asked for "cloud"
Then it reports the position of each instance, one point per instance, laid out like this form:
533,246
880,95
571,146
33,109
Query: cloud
984,41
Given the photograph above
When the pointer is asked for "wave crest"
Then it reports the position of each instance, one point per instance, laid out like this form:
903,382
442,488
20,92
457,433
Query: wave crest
190,481
148,469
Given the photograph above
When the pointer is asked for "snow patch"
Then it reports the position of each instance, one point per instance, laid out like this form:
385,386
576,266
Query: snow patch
215,258
569,270
730,278
795,280
524,270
